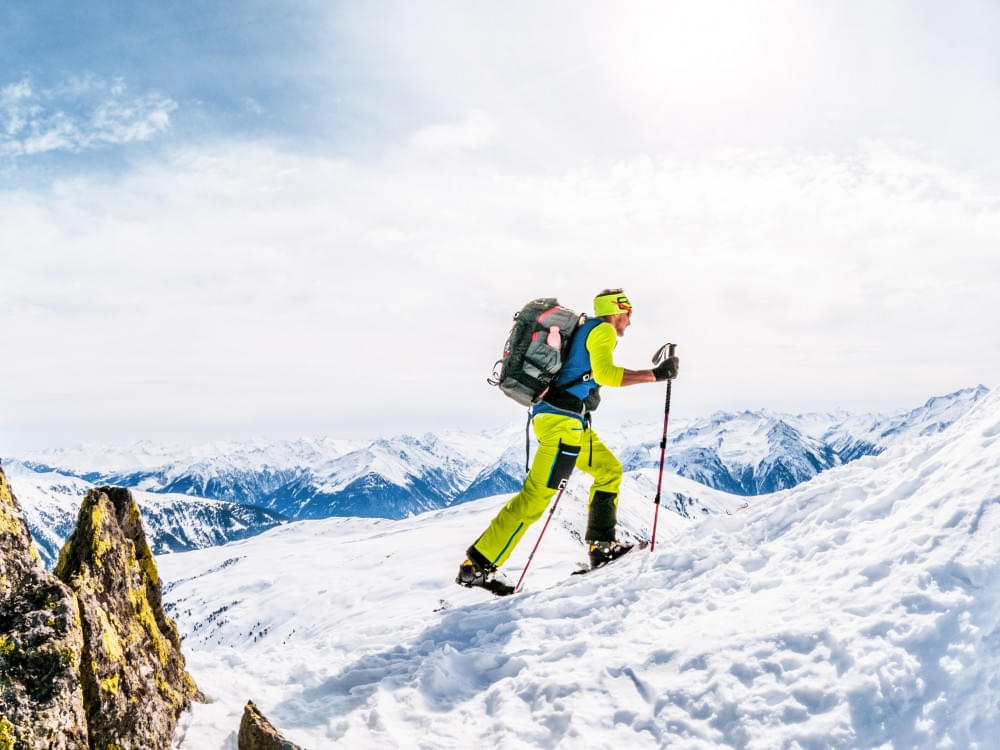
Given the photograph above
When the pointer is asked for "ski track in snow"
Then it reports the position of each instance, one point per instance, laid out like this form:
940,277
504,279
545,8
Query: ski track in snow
858,610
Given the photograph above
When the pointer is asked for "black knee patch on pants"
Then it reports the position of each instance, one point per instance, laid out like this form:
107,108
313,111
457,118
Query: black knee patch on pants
562,467
602,518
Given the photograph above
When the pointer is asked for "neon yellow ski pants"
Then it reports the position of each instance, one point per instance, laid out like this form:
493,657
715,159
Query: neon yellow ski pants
563,443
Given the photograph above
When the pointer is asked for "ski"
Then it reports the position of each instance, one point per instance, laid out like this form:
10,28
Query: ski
584,569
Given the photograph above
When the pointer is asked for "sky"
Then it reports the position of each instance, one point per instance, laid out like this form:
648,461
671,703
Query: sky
224,219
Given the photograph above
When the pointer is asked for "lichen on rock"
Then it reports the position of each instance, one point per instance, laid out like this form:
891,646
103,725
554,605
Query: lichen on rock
133,673
257,733
41,645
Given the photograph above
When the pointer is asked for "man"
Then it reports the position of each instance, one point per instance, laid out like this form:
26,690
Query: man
565,439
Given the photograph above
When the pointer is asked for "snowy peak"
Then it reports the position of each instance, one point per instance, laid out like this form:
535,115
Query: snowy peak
387,478
172,458
747,453
755,452
936,414
173,522
855,436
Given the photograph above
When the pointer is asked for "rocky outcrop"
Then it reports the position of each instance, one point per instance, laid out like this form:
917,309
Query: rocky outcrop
132,672
41,645
257,733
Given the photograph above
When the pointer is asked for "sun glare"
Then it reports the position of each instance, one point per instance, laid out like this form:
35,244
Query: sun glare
688,47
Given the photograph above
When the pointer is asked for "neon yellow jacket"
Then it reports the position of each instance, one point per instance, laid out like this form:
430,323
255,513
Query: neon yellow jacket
601,345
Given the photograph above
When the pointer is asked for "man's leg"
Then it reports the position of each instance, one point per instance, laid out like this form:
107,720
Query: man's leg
606,469
559,441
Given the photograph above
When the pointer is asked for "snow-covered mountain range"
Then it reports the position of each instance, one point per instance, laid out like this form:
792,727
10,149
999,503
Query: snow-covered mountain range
173,523
260,483
858,609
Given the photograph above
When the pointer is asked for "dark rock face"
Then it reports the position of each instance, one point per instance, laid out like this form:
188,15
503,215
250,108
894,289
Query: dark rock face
41,645
257,733
132,672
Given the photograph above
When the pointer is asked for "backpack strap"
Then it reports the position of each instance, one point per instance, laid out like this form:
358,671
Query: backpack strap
590,431
558,394
527,443
588,375
561,398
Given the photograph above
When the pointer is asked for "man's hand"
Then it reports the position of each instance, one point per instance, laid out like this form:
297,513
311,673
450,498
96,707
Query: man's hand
667,369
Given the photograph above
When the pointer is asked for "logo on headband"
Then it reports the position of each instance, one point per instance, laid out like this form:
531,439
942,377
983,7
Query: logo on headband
612,302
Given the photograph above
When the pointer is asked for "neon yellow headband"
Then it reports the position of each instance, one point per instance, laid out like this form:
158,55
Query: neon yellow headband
613,303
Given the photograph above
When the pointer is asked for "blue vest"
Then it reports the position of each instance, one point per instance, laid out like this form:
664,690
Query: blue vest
575,367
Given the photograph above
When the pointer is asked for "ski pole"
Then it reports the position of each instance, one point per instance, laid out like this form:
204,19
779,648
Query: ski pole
657,358
552,510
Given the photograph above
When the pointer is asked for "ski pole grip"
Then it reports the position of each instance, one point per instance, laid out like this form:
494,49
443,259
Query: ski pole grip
670,349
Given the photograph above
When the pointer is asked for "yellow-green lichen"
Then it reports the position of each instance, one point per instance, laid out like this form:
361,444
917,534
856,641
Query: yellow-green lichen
55,600
75,606
144,614
9,523
148,565
109,638
6,645
189,684
7,738
63,562
6,496
98,544
168,692
70,657
110,684
10,520
163,647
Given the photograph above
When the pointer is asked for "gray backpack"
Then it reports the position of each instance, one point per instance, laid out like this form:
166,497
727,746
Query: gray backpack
535,348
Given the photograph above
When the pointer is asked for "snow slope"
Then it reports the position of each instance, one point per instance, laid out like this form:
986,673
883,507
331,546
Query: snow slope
857,610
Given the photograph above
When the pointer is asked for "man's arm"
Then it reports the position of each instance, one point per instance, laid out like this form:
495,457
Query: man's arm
601,344
633,377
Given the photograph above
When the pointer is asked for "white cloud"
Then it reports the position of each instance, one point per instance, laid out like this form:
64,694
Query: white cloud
14,93
475,131
253,289
616,79
13,106
117,121
82,113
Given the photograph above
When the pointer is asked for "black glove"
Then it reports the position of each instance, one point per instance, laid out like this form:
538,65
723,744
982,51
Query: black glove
667,369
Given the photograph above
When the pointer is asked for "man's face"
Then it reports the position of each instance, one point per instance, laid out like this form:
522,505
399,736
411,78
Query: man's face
621,322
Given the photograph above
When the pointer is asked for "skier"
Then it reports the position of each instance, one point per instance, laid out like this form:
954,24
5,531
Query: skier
561,421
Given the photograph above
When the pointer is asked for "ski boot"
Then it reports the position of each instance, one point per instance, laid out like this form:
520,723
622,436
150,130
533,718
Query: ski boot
601,553
472,574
